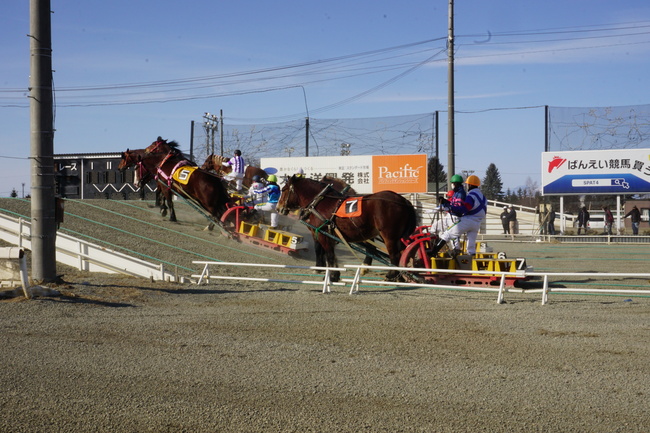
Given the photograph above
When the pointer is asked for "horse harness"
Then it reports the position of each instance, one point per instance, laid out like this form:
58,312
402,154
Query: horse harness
167,178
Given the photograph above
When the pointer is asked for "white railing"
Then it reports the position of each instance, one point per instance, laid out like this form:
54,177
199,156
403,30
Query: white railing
326,283
501,290
83,255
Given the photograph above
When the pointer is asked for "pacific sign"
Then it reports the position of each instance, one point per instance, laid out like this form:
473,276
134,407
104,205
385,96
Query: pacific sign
621,171
365,173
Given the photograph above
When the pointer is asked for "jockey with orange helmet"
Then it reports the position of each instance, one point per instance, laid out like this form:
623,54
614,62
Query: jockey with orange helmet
471,212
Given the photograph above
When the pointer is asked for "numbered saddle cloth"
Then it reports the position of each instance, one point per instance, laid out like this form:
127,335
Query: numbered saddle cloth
182,174
351,207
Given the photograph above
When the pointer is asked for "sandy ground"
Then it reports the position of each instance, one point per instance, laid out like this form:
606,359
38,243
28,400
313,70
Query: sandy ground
116,353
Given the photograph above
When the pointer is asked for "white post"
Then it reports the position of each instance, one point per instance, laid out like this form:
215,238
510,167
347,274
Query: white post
502,288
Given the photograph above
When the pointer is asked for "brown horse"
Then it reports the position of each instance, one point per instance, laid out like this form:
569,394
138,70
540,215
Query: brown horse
163,159
385,214
215,162
163,193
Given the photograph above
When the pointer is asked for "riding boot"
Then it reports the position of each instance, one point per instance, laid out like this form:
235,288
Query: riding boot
437,247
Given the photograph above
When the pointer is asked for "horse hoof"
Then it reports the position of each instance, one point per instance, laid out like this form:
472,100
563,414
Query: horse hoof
163,212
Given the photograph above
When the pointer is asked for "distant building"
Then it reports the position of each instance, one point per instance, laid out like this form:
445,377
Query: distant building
95,175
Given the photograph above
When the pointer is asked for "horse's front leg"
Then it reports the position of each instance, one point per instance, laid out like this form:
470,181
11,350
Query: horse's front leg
331,259
172,212
320,255
394,254
370,251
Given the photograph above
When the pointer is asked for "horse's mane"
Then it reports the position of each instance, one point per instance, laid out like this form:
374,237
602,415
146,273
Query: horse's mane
339,185
175,148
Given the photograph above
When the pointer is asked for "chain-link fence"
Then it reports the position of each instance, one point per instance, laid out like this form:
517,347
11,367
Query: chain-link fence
316,137
595,128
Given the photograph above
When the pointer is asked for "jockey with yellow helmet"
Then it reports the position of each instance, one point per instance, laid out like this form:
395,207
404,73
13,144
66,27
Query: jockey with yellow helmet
471,212
272,190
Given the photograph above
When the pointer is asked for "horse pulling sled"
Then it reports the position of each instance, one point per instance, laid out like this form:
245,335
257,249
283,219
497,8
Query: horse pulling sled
207,194
356,221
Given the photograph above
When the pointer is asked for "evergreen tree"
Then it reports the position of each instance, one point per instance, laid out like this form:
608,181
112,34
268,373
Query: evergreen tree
492,185
433,167
14,193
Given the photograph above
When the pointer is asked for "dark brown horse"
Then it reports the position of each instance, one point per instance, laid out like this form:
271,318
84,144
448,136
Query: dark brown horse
170,167
215,162
385,214
163,192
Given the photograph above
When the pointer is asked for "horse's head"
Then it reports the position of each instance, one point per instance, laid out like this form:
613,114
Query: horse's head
289,199
339,185
129,159
133,158
207,165
215,162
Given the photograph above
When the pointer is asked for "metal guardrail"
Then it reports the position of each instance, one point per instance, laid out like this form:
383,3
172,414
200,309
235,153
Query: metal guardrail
83,255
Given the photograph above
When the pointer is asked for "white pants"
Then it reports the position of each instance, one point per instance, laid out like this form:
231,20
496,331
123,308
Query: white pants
467,224
237,177
269,207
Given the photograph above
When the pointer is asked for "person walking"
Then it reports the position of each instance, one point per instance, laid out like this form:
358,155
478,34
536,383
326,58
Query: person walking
504,221
583,219
238,167
471,212
635,217
609,221
273,193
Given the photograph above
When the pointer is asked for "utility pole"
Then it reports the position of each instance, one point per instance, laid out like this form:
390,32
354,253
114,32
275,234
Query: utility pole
451,128
210,125
43,231
221,130
306,136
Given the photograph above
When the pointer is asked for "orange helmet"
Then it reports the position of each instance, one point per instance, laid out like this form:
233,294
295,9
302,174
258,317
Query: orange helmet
473,180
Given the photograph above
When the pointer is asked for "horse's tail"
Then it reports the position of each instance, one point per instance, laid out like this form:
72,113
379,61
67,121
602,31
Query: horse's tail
412,220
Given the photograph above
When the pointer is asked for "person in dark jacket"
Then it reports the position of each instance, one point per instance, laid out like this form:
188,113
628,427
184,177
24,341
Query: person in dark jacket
504,221
583,219
635,216
512,221
609,221
551,221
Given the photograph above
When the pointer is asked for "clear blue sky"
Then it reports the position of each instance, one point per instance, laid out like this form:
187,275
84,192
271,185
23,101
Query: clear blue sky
566,53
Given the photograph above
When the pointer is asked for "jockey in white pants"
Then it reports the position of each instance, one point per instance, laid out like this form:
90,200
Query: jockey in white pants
238,168
273,192
472,211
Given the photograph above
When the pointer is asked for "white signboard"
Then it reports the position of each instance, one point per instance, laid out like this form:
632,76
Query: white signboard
365,173
621,171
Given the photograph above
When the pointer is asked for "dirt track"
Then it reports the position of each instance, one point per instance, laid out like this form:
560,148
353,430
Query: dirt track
123,354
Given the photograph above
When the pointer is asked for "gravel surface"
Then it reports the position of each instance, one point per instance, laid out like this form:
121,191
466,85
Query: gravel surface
116,353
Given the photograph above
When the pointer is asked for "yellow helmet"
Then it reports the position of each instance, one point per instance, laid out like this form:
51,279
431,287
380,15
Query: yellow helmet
272,178
473,180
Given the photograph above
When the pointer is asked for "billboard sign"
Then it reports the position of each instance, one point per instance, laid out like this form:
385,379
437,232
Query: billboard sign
365,173
621,171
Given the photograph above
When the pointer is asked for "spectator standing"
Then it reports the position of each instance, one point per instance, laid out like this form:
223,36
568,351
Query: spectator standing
512,221
583,219
504,221
609,220
551,221
635,216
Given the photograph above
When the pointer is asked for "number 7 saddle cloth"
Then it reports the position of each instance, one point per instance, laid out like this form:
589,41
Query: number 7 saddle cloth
351,207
